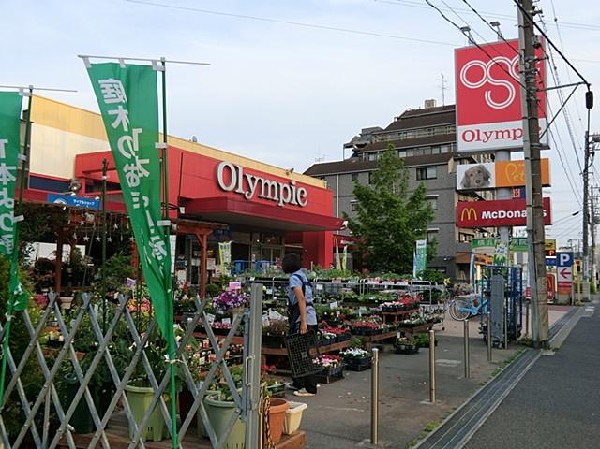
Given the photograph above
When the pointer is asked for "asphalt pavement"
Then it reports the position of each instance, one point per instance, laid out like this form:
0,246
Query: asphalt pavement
339,417
556,403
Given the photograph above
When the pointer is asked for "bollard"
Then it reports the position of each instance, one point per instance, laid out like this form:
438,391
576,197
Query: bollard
505,327
375,397
489,337
432,366
526,319
467,352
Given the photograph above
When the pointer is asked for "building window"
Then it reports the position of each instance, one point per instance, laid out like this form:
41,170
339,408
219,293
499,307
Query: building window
433,202
372,157
354,206
425,173
432,235
370,177
354,176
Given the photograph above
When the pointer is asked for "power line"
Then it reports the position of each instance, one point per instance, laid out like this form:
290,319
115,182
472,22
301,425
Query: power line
288,22
576,25
564,58
452,22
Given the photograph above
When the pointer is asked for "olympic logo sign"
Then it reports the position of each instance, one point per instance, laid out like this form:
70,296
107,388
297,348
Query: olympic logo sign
510,67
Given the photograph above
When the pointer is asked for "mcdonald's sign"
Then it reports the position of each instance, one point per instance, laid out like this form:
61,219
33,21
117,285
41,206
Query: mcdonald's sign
513,212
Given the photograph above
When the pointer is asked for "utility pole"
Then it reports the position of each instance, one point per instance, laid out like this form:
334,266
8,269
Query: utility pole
593,220
533,183
586,218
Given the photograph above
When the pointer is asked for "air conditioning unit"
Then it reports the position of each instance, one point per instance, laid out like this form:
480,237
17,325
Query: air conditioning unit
431,103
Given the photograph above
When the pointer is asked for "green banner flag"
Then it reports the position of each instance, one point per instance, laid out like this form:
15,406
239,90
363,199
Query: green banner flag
10,148
127,97
420,257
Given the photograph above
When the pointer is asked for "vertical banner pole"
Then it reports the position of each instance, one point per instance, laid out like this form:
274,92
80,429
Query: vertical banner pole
168,279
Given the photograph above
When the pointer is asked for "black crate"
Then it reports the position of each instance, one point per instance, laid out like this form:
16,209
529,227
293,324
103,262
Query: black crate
303,350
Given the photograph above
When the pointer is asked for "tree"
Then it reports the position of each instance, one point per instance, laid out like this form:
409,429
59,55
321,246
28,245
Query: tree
389,218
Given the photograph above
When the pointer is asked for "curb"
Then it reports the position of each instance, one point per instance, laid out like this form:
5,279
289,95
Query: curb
453,433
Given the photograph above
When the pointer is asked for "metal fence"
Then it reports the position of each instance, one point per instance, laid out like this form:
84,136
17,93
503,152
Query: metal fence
41,418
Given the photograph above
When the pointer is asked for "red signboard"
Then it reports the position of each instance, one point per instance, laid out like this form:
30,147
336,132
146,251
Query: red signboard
488,96
513,212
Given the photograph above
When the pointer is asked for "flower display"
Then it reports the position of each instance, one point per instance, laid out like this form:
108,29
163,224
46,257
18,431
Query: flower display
355,353
328,361
230,299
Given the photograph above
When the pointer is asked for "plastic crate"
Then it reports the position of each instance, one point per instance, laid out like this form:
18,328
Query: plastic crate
303,350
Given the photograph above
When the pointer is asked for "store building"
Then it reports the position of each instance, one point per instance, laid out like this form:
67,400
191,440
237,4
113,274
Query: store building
426,140
213,195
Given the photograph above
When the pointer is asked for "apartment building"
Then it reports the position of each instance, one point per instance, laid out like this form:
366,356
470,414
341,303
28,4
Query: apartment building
426,139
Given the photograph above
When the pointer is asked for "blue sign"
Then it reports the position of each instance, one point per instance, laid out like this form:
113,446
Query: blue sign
74,201
550,261
564,259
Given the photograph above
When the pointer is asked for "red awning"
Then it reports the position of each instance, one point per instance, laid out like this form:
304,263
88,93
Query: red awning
234,211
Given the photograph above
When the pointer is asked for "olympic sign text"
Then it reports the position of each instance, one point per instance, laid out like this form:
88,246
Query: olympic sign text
513,212
488,104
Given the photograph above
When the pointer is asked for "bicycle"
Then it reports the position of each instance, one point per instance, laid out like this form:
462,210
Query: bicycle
464,307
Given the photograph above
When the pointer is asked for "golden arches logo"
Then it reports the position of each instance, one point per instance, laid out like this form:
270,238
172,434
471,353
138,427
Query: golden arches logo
469,212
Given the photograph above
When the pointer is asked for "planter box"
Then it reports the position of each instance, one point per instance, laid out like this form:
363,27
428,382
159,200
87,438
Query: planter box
330,375
273,341
358,363
293,417
402,348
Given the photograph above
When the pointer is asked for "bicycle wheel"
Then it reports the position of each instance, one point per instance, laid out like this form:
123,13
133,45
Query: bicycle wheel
460,309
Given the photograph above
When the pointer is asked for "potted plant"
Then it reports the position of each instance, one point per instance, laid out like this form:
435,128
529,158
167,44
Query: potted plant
274,332
139,391
356,359
219,406
406,345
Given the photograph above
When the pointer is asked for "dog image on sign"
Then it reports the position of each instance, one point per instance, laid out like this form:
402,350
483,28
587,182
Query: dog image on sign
475,177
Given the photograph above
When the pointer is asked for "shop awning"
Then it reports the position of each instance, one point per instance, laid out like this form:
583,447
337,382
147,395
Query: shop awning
233,211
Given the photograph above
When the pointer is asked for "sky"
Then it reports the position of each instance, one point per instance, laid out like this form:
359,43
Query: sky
290,81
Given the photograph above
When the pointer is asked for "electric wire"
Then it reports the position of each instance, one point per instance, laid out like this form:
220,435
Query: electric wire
567,171
557,81
452,22
564,58
560,39
495,15
287,22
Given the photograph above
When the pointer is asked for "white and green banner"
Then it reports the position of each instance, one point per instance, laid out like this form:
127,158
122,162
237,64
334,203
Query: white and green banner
501,253
225,257
10,148
420,257
127,97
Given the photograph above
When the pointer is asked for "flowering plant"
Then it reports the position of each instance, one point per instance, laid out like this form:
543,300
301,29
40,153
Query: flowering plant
328,361
230,299
355,353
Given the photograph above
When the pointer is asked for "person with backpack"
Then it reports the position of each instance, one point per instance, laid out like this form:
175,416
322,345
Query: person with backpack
301,314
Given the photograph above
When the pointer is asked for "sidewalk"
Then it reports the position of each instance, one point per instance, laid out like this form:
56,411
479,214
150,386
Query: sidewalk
555,405
339,417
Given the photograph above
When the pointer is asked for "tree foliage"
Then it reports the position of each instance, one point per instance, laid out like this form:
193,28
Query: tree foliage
389,218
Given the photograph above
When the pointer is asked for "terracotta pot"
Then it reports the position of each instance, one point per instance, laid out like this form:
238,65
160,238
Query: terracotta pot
277,417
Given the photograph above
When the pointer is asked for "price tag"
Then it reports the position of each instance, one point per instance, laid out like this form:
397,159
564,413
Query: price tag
210,318
319,287
226,321
333,305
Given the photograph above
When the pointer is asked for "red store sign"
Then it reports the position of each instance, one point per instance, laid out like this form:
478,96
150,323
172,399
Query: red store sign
513,212
488,96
